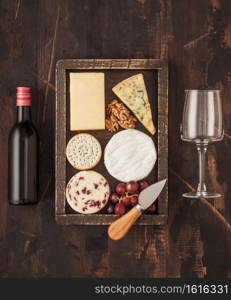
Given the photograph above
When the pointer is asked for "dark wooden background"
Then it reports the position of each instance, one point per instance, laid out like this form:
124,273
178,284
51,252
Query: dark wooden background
195,37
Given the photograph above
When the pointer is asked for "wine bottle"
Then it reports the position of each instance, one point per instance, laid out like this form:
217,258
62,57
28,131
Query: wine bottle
23,153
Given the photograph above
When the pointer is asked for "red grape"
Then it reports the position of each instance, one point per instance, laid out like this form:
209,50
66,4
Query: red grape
120,188
134,200
119,208
152,208
126,201
132,187
143,185
110,209
114,198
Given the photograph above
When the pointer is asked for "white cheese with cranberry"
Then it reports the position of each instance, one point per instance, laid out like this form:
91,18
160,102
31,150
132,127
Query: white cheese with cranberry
87,192
130,155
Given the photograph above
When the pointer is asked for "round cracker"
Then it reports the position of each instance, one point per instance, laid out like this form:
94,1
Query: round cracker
83,151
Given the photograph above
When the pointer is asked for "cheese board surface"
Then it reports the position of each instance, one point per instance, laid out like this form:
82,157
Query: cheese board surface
155,74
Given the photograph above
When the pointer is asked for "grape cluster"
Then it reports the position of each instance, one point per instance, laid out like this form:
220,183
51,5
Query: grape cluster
126,196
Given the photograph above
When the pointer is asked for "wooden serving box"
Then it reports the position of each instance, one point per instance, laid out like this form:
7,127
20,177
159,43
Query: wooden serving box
155,73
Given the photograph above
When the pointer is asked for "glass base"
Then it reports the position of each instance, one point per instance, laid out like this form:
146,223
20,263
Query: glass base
201,195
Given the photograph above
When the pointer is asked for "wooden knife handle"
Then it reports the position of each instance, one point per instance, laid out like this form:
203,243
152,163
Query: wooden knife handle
118,229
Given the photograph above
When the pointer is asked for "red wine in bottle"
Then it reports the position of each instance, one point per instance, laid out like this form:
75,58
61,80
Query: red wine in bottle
23,153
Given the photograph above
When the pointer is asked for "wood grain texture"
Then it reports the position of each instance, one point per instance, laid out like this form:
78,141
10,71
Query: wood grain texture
194,36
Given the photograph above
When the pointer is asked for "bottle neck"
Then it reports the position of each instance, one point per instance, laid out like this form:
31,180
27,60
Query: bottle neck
23,113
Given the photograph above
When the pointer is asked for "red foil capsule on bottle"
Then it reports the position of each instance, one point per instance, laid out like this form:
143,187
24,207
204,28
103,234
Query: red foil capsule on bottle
23,96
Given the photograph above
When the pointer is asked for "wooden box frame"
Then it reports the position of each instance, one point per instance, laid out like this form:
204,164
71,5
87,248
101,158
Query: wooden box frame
62,68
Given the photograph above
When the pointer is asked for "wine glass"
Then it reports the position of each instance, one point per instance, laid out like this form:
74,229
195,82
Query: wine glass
202,124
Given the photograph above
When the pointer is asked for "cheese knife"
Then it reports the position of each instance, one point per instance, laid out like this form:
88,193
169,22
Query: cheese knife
119,228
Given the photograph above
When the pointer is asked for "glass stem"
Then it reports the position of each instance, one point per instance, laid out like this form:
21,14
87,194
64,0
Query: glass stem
201,148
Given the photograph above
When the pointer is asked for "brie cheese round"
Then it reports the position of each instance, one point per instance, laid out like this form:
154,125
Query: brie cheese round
130,155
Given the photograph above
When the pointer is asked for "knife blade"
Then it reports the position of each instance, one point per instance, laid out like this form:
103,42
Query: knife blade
119,228
150,194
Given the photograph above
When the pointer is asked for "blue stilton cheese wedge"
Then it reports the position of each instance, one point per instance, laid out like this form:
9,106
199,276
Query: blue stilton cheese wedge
132,92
